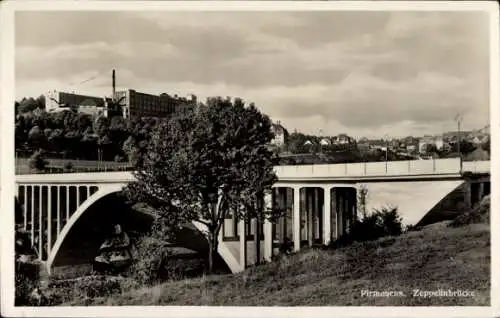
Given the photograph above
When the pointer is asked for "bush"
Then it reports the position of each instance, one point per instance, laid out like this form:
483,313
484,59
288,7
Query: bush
479,214
119,158
83,289
412,227
27,271
380,223
68,166
26,280
148,267
92,287
37,161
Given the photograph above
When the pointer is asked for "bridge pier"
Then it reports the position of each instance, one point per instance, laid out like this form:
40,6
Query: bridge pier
475,191
268,228
327,218
320,214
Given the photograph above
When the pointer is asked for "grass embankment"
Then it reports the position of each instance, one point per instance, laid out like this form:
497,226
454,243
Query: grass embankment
436,257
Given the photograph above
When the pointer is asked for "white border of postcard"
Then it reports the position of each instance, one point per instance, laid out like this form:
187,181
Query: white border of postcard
8,9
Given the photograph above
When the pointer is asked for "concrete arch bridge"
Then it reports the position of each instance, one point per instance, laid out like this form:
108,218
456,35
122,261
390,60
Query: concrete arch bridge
68,215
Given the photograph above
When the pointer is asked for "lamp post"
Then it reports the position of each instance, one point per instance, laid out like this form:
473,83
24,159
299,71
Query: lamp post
458,119
321,140
386,139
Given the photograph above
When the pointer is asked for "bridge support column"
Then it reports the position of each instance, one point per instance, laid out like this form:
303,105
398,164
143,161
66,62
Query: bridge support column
296,218
242,231
487,188
317,217
468,195
77,188
40,223
480,191
32,208
334,213
58,202
310,215
282,204
340,211
25,207
353,207
49,219
268,229
327,215
67,203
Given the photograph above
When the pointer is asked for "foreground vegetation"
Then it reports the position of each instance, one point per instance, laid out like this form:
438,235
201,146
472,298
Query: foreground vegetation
450,255
436,257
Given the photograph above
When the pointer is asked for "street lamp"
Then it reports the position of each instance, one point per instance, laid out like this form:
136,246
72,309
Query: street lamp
458,119
386,138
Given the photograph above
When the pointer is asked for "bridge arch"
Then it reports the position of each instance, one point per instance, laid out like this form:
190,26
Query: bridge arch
105,191
94,198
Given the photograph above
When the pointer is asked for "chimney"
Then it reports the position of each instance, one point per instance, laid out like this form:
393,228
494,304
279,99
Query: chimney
114,84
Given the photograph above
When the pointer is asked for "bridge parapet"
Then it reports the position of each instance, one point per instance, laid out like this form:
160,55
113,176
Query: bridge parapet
378,169
437,167
476,166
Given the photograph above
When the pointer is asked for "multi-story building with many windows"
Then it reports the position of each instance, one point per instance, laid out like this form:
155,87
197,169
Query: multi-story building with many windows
137,104
132,103
56,101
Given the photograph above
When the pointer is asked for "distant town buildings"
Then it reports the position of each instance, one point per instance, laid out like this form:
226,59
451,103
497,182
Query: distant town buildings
56,101
280,135
430,141
342,139
325,142
131,103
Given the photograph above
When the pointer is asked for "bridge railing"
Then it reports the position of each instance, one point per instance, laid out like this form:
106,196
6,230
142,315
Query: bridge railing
476,166
56,170
367,169
389,168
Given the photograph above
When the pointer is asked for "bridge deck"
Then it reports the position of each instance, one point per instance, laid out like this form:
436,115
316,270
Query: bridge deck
437,169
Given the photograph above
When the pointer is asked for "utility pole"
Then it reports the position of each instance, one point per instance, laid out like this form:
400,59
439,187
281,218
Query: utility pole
458,119
386,137
114,84
320,140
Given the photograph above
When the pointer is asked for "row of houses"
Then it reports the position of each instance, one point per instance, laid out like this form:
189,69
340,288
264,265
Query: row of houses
341,139
422,145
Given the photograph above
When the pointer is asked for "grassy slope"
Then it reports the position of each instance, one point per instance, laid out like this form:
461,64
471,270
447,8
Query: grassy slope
435,257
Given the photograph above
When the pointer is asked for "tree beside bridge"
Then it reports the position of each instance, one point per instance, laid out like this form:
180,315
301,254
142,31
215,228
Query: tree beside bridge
205,164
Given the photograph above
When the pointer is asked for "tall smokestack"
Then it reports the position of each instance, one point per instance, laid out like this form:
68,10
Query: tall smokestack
114,84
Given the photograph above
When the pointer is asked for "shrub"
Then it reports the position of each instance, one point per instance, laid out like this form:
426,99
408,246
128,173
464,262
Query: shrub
119,158
383,222
92,287
37,161
83,289
68,166
412,227
479,214
26,280
27,271
148,267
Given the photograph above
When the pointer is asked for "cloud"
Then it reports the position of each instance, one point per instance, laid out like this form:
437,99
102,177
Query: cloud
359,71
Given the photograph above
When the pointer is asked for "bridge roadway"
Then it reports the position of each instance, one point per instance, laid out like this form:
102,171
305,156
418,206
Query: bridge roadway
54,206
412,170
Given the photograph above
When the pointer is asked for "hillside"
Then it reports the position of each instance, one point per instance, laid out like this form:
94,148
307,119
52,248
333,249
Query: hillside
436,257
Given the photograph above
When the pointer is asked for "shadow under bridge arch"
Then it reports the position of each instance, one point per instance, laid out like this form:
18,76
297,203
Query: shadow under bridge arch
92,222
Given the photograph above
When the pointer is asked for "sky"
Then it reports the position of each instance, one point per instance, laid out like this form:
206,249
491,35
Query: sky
364,73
